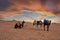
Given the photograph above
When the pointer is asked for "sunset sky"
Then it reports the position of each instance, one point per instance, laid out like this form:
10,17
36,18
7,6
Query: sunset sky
30,10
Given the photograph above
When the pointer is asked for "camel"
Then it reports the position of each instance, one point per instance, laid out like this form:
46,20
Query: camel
47,23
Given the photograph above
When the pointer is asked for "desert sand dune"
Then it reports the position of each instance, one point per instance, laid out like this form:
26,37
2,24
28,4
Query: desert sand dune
7,32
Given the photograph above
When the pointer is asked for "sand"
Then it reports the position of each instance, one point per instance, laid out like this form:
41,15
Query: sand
7,32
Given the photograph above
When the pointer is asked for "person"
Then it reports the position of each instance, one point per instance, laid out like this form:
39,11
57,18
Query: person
22,24
45,22
18,25
34,22
38,23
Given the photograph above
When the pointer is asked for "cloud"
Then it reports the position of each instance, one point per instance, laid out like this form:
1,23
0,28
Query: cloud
14,7
24,8
4,4
30,16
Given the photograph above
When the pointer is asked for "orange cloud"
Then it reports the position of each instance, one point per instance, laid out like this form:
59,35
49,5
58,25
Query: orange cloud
44,6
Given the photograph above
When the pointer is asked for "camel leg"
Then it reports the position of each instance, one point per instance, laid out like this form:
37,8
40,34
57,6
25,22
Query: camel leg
47,27
33,24
37,26
41,25
44,27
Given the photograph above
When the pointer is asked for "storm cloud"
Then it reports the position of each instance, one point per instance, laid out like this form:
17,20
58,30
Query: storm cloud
4,4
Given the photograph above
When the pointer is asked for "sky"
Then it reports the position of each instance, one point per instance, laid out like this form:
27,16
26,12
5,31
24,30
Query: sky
44,8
